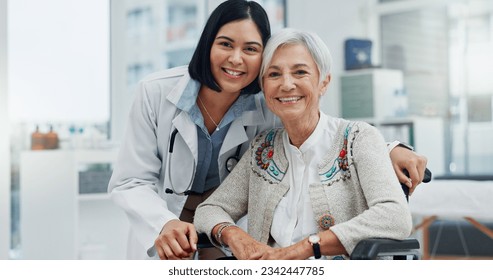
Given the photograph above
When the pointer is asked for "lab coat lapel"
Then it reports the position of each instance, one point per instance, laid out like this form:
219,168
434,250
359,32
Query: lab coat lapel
186,128
240,132
182,164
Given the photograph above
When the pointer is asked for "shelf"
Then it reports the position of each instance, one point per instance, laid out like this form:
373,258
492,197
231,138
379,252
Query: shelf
58,222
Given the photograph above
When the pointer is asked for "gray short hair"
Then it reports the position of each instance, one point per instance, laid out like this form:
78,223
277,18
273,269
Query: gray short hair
289,36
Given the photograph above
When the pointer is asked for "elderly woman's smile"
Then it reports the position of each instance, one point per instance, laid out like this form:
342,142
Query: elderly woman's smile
289,99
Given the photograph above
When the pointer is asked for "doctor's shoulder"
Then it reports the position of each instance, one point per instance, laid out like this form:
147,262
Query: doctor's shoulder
164,81
175,72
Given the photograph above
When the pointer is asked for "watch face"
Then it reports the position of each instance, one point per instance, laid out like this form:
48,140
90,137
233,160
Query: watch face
314,239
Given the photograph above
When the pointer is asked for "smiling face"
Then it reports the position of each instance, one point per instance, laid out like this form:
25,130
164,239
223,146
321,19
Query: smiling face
292,85
236,55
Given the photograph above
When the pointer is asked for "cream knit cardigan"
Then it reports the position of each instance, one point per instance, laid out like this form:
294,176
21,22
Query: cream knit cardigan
366,200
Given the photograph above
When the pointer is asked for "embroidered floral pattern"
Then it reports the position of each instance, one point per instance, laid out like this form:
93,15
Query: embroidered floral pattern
264,156
340,164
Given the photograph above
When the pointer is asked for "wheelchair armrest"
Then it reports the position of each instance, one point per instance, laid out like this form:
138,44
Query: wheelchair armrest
369,249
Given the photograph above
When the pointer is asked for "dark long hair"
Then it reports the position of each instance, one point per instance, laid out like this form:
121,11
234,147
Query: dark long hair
228,11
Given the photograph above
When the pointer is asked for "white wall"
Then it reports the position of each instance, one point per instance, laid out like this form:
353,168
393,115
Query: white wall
4,139
120,101
334,21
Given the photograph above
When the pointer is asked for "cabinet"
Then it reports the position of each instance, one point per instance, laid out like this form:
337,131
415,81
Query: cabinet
378,97
373,93
59,221
426,135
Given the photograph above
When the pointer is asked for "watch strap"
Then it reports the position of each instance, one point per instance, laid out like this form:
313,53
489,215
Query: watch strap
314,240
316,250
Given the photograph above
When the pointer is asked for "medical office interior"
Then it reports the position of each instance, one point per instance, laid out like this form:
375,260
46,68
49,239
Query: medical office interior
420,71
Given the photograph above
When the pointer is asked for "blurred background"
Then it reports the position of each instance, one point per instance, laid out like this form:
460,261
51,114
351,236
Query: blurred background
418,70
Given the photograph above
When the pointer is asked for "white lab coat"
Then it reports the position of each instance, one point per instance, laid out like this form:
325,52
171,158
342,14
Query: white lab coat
140,175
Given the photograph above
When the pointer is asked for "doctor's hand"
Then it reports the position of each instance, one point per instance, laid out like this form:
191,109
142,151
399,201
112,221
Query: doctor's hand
403,158
241,244
177,240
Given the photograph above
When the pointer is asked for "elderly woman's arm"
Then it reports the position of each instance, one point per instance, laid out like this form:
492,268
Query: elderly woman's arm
388,214
329,245
226,206
240,243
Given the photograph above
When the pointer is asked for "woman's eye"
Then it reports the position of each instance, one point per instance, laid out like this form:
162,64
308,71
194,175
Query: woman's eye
251,49
273,74
225,44
301,72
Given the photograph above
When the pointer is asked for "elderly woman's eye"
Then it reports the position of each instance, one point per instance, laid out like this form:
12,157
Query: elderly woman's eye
301,72
273,74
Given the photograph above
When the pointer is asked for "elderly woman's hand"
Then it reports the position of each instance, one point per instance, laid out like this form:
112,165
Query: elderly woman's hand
299,251
241,244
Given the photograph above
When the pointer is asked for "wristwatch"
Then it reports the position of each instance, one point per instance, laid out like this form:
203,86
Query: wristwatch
315,241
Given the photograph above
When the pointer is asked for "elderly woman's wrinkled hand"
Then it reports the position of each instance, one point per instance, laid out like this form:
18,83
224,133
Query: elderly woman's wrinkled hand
242,245
294,252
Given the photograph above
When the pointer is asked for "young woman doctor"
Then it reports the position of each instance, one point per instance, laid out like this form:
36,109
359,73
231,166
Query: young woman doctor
189,125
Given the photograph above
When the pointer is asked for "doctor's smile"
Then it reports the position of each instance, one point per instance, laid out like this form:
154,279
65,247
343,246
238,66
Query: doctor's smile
233,74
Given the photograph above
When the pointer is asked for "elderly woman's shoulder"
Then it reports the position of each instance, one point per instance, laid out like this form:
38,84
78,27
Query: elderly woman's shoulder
354,124
361,129
268,136
362,125
354,127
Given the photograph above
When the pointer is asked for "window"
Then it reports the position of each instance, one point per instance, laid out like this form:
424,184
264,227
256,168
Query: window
58,75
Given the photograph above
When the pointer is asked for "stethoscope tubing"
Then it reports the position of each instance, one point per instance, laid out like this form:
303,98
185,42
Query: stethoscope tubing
229,165
171,189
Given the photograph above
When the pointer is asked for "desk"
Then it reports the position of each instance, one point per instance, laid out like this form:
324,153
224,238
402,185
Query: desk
452,200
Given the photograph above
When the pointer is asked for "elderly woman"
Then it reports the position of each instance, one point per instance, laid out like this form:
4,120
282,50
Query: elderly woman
315,187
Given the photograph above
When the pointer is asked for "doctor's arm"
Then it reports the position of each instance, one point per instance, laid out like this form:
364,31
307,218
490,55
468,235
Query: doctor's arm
136,175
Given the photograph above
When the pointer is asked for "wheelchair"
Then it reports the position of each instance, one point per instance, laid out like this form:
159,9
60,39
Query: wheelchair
367,249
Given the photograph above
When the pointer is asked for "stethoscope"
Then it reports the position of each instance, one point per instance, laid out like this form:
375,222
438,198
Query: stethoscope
230,165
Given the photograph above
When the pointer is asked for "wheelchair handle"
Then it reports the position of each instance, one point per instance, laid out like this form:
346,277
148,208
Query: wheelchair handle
426,179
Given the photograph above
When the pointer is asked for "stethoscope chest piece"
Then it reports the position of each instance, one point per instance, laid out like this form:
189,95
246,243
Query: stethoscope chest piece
233,160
